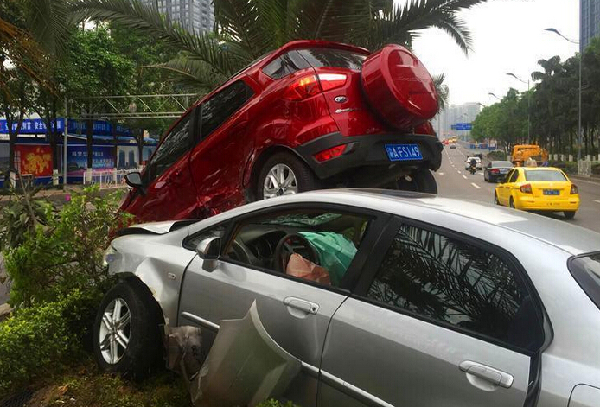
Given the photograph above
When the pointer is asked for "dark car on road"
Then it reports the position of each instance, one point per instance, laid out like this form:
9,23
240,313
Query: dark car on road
496,170
309,115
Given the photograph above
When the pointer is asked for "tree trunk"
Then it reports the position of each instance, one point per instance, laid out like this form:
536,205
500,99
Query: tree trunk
89,138
115,140
140,145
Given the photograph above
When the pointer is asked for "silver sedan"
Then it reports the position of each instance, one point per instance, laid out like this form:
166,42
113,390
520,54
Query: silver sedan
387,298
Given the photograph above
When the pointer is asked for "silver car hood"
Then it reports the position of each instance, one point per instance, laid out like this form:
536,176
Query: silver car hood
156,228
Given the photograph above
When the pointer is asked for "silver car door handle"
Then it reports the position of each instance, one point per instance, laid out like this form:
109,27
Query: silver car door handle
301,305
487,373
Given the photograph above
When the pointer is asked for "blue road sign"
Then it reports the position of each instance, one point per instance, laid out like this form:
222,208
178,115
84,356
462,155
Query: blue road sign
462,126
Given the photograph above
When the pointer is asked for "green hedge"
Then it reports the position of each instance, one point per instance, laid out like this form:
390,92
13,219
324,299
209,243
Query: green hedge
37,341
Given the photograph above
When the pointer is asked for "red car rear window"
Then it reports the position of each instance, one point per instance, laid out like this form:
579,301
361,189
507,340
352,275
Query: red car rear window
298,59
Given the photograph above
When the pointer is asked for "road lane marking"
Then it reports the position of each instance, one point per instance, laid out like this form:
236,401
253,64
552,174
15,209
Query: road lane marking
475,185
464,176
597,201
440,173
458,171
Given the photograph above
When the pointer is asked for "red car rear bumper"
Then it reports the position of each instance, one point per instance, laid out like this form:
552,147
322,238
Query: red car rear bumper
369,152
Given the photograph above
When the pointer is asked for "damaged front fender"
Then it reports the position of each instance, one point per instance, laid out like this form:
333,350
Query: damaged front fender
157,264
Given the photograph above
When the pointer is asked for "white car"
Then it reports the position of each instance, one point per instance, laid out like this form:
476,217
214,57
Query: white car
477,164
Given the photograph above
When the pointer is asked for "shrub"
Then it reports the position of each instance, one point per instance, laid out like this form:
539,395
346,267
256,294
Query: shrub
496,155
66,252
37,341
21,215
596,168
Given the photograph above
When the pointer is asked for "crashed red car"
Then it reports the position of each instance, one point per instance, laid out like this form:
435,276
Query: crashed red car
312,114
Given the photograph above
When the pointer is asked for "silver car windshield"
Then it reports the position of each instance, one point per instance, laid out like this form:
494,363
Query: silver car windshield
586,270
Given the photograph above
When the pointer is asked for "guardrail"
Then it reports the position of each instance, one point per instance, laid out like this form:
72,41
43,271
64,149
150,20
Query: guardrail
111,178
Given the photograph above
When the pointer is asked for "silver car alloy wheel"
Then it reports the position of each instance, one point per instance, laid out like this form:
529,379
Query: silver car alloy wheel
115,331
280,180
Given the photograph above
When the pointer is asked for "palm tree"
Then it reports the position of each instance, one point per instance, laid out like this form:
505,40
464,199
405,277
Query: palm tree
247,29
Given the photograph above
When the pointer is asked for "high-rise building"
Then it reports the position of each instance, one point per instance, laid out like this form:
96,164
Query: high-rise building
589,24
455,114
196,16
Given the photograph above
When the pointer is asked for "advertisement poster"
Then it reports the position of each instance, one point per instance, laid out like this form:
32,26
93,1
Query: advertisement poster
77,159
148,151
127,157
34,159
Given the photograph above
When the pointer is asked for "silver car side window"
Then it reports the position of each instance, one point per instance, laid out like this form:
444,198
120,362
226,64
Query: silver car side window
313,245
457,284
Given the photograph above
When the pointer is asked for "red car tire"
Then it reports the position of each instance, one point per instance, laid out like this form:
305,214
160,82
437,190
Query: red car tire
305,178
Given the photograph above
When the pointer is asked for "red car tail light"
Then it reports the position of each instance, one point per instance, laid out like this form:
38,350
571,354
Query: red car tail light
574,189
303,88
494,171
332,80
311,85
526,189
330,153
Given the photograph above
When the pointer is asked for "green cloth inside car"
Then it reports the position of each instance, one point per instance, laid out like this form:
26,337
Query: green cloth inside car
335,253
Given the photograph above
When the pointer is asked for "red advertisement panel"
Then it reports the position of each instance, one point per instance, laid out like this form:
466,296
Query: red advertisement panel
34,159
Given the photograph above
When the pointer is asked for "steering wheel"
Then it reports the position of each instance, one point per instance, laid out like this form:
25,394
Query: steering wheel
290,244
239,252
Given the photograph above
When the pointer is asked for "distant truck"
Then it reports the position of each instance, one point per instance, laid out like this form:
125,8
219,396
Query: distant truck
522,152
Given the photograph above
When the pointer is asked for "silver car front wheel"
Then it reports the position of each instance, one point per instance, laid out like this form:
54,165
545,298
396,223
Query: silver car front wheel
127,336
115,331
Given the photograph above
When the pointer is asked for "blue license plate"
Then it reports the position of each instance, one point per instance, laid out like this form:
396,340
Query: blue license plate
551,192
403,152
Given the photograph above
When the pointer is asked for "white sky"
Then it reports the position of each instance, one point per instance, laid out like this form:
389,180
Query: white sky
508,36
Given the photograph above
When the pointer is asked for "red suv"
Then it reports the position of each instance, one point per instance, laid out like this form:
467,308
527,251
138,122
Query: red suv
311,114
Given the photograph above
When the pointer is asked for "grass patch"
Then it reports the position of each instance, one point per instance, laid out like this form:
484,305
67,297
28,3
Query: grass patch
85,386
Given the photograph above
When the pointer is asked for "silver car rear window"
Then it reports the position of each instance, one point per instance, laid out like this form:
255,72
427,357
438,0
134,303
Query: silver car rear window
586,271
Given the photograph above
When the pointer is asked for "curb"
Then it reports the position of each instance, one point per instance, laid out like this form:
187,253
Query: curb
591,180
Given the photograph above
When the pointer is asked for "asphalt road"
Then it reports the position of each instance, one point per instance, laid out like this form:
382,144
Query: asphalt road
455,182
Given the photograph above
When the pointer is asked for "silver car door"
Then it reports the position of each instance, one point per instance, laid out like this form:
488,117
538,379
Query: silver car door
439,322
295,312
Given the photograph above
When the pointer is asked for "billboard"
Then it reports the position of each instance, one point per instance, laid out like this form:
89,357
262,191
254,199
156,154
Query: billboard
127,157
77,159
34,159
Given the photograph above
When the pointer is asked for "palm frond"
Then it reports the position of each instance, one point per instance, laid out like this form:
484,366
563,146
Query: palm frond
47,21
135,15
195,75
401,24
241,20
443,91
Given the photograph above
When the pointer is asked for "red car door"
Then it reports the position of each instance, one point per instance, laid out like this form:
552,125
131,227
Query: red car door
168,191
223,147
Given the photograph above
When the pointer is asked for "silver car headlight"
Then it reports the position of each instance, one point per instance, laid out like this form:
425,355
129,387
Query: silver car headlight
109,256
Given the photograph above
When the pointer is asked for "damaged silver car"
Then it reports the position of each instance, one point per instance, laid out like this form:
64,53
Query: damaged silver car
386,298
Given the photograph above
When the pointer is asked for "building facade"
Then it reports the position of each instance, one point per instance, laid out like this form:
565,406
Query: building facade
196,16
455,114
589,24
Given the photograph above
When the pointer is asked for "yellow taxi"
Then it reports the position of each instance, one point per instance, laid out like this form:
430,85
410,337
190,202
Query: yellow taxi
538,189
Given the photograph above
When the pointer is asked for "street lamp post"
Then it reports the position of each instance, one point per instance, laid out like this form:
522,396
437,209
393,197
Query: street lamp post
528,99
555,31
